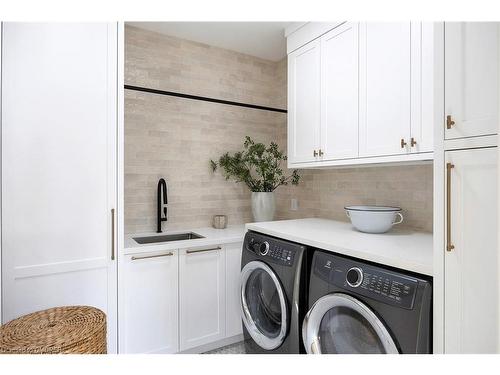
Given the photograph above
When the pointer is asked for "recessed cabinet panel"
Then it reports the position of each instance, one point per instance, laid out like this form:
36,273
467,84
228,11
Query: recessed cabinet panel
304,103
472,267
339,93
385,77
471,78
150,307
202,296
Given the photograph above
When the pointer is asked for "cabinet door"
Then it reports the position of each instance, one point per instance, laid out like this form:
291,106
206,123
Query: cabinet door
339,93
471,268
471,78
150,306
59,84
385,88
304,103
423,96
202,296
233,299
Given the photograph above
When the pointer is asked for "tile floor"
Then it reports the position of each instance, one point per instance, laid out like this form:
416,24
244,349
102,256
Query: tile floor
238,348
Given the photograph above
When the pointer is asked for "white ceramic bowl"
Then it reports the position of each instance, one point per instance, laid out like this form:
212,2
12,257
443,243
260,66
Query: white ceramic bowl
373,219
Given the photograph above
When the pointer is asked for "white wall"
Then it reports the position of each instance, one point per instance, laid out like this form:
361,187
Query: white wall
1,26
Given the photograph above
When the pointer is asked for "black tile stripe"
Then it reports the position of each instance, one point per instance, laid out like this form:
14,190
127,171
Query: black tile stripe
203,98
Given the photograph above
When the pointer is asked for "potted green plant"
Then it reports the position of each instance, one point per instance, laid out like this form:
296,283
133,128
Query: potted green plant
260,168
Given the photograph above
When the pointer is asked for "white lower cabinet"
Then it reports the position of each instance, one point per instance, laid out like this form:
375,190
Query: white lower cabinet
202,296
471,308
178,300
150,308
233,299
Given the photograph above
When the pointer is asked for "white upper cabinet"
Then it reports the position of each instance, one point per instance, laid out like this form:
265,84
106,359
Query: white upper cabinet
424,98
471,78
202,296
304,103
385,88
376,95
339,93
471,271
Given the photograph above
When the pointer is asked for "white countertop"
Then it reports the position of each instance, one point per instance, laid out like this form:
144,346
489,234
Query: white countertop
404,249
232,234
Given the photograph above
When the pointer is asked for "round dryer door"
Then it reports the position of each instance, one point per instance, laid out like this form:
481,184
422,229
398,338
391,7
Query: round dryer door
263,305
341,324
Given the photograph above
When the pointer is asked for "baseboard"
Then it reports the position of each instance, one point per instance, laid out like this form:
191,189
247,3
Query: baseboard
214,345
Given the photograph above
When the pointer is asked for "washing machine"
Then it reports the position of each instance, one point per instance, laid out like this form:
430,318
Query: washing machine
360,307
273,284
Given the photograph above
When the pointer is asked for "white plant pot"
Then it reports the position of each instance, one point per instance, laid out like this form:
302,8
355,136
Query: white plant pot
263,206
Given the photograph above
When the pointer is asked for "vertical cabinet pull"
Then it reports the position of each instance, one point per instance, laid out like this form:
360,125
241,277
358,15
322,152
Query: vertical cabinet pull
413,142
315,153
449,122
321,153
112,234
403,143
449,245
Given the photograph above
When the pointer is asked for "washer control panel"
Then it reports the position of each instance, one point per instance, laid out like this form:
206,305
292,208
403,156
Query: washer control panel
271,249
359,278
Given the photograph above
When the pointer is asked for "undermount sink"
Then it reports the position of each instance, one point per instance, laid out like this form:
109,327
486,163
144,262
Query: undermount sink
167,238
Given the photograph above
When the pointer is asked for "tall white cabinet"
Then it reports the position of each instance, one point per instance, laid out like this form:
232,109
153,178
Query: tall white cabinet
59,126
467,268
472,264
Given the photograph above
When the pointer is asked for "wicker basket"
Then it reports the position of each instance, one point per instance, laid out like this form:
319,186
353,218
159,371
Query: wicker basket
69,330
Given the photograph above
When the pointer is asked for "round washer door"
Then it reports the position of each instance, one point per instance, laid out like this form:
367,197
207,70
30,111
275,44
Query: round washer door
341,324
263,305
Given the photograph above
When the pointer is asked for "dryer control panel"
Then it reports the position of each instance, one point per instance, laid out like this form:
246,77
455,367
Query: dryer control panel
363,279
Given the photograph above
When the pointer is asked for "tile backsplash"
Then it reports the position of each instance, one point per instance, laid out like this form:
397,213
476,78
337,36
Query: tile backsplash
324,193
175,138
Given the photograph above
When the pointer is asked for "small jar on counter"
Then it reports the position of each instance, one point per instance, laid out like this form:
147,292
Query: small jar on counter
219,221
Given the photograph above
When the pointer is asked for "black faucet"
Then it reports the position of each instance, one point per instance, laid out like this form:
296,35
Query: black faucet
159,219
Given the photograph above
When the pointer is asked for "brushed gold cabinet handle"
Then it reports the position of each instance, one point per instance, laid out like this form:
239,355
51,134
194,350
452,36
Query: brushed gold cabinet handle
449,122
112,234
321,153
315,153
403,143
413,142
449,245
